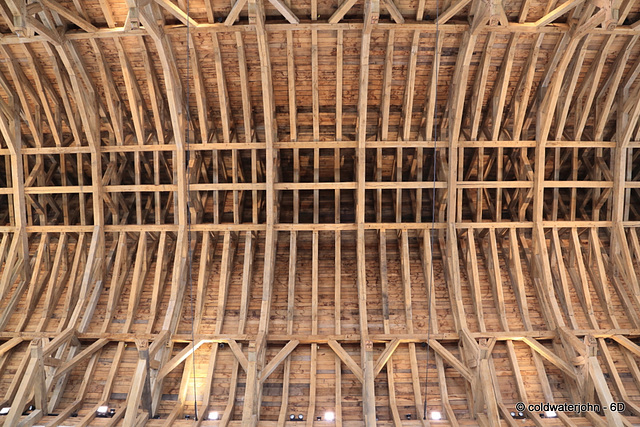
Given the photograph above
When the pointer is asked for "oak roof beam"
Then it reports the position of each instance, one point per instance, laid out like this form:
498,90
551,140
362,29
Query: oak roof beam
76,404
179,120
598,275
160,342
617,380
235,12
518,107
341,11
160,119
159,107
371,16
430,108
471,261
551,357
250,135
47,33
456,108
32,285
602,390
223,97
10,129
479,86
476,357
501,88
427,273
559,52
558,12
345,338
176,11
450,28
23,87
452,11
448,357
291,289
405,270
178,359
33,382
383,128
257,349
7,12
52,294
395,13
611,86
285,11
68,366
179,123
112,95
70,16
590,83
52,104
277,360
626,121
137,106
89,111
347,359
249,247
229,247
140,391
545,114
270,123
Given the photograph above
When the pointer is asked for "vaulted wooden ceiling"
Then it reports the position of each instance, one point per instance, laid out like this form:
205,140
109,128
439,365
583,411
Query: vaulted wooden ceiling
382,209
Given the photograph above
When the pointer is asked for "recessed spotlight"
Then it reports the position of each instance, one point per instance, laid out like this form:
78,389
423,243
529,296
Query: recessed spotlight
435,415
300,417
292,417
329,416
408,416
102,411
318,418
519,415
214,415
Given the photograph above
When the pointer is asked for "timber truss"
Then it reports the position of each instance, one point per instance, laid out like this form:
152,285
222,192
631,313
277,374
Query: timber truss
254,209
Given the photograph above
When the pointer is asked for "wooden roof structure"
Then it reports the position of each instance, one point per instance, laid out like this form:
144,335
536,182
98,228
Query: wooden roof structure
394,211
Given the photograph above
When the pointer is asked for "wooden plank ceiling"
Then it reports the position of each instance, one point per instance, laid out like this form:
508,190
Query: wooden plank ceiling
392,211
